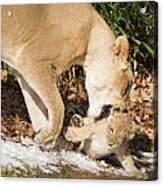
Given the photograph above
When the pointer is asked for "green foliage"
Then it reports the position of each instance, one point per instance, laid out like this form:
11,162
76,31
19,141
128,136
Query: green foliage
141,29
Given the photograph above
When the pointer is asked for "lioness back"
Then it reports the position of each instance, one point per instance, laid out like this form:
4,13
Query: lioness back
68,26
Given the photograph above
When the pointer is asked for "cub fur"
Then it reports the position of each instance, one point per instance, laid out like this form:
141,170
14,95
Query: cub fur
106,136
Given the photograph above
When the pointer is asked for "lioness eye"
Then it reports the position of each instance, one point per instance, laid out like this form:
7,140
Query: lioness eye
125,90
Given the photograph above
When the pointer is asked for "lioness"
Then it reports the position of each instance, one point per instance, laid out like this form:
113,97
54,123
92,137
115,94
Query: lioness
41,41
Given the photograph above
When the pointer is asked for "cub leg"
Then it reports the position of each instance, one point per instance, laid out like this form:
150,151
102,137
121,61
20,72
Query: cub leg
77,134
127,161
43,81
129,166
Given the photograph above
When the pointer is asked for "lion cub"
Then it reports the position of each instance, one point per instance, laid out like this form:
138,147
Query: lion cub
109,135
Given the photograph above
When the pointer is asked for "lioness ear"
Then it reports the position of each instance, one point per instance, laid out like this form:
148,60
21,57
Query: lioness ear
121,47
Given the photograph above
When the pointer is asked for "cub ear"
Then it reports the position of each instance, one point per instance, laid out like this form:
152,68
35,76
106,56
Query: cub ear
121,47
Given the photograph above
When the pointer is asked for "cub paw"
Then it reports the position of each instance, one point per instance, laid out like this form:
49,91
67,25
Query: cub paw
76,121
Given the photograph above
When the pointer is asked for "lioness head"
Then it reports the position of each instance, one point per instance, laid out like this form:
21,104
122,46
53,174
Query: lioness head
112,85
121,80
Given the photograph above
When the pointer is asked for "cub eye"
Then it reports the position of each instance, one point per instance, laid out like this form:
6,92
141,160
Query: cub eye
110,144
111,130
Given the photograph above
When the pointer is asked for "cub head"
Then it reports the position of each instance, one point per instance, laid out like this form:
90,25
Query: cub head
119,129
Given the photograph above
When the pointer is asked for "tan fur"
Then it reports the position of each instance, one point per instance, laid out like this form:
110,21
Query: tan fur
41,41
110,135
113,131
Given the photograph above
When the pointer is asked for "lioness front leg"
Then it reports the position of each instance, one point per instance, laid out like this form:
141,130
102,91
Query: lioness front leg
55,108
42,80
36,109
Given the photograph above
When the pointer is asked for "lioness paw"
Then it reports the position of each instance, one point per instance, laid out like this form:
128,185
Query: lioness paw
45,138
